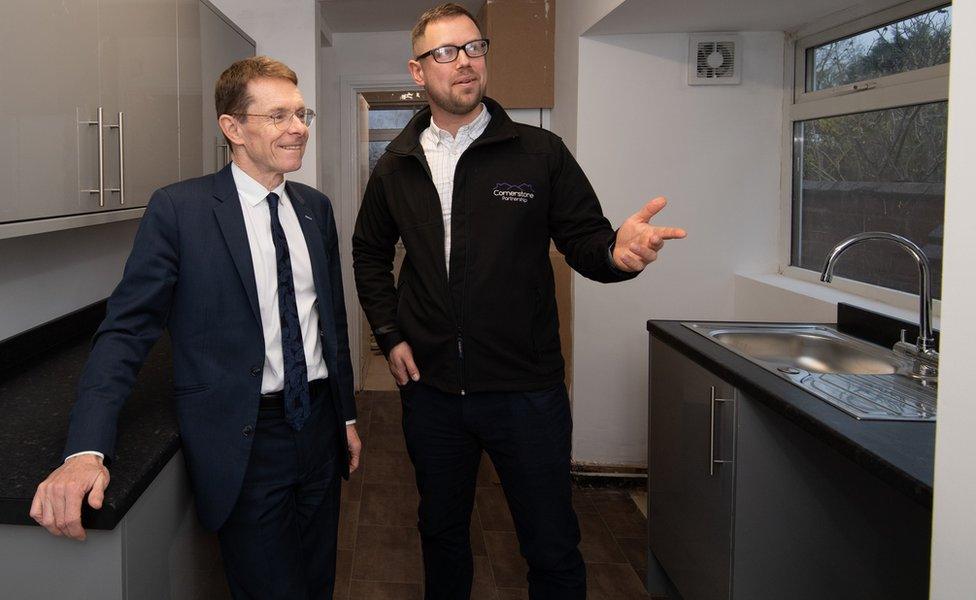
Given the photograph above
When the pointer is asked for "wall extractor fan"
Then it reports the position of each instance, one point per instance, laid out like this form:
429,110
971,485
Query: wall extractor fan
714,59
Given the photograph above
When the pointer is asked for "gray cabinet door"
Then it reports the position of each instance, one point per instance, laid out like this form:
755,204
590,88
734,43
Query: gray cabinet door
208,45
138,77
690,496
810,524
221,45
49,70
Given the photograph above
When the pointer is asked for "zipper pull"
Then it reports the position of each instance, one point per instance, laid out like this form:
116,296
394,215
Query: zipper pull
460,347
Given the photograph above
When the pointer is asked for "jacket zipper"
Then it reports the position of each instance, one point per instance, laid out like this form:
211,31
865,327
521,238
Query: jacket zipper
458,312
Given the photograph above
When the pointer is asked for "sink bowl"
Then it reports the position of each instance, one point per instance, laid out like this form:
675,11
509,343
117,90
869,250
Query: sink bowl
864,380
811,350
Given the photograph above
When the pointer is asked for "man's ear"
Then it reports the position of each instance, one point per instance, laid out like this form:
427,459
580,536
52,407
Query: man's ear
416,71
232,129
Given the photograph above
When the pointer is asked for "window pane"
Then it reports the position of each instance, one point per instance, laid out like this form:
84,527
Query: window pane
389,119
376,150
876,171
914,43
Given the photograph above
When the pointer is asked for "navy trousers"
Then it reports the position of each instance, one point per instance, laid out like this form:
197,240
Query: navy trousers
527,436
280,539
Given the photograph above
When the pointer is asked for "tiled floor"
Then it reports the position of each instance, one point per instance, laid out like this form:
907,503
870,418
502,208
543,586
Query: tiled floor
379,548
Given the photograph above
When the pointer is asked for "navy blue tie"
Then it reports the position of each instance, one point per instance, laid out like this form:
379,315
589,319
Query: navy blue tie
293,351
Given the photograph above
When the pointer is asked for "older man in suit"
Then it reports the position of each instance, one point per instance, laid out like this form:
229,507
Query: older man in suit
243,269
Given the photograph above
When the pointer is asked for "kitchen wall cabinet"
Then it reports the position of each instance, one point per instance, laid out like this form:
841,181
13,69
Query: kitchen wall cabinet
787,517
49,70
153,61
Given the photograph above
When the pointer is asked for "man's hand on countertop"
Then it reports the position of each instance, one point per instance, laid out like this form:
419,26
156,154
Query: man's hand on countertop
57,502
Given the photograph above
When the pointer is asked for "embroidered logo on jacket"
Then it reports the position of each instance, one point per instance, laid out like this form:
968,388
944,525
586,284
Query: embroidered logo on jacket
514,193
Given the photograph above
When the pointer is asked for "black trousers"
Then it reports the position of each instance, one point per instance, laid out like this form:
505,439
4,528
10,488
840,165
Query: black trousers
280,539
528,437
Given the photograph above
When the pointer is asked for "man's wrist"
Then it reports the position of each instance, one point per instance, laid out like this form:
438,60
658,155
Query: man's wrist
93,453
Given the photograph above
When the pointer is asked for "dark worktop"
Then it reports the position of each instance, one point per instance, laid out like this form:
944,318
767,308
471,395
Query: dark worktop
38,375
900,453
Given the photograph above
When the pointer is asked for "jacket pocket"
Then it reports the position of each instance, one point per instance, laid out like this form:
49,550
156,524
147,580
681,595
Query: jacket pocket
186,390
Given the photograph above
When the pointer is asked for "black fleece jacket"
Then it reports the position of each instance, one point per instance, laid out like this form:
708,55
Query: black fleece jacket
492,324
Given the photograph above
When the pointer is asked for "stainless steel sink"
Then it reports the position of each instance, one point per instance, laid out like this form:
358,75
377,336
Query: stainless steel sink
862,379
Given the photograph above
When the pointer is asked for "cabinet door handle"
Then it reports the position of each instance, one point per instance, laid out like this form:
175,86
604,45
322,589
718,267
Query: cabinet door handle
121,128
711,432
101,158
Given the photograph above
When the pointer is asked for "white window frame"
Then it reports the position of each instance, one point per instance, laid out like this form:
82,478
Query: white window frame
914,87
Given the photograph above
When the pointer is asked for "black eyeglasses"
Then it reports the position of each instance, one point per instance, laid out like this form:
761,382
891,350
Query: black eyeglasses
446,54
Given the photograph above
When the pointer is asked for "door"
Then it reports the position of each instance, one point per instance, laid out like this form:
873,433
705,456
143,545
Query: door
221,45
138,77
49,66
690,485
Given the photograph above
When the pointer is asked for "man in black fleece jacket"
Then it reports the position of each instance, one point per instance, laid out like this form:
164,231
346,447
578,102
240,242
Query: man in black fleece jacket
471,330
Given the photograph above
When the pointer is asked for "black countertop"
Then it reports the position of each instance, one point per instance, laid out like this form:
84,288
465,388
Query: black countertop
35,400
900,453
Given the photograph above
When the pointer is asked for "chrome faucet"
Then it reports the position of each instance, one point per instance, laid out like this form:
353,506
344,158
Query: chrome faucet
923,353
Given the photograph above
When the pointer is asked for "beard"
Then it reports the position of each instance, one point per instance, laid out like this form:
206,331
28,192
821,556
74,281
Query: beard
456,103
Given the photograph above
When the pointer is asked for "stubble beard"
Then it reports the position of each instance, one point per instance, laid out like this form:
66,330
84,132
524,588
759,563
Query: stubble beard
456,104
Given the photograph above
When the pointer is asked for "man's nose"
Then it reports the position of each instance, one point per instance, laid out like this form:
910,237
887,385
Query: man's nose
296,125
462,59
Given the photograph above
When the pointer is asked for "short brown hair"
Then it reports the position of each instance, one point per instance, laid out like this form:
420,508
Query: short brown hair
442,11
230,94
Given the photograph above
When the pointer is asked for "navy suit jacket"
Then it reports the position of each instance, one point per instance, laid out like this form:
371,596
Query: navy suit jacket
190,271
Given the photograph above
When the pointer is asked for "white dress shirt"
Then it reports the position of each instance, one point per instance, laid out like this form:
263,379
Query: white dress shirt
257,221
443,152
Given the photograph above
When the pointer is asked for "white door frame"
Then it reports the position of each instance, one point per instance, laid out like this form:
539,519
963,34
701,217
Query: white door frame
350,195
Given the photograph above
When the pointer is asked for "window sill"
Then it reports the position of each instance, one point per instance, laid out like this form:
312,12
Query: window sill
798,295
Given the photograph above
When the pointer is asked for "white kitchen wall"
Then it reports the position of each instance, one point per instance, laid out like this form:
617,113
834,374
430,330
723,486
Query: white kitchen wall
287,30
43,277
714,151
954,526
573,18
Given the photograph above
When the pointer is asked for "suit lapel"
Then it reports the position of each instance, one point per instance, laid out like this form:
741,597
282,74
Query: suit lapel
231,219
316,252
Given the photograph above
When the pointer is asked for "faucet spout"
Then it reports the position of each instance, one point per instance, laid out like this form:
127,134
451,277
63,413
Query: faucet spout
925,344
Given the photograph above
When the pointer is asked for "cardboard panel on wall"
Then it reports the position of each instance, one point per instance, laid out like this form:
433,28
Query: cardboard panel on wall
521,56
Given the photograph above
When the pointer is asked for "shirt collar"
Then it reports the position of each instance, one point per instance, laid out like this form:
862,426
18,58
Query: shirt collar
472,130
250,190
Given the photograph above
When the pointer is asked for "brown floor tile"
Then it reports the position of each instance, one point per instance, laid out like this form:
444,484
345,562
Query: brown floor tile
385,467
486,471
389,554
387,436
376,590
348,522
507,565
598,545
493,508
582,502
343,573
620,513
389,505
477,534
352,489
483,586
636,552
387,411
613,582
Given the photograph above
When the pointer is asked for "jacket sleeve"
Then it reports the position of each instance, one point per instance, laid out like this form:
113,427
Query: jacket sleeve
373,250
346,386
136,315
576,221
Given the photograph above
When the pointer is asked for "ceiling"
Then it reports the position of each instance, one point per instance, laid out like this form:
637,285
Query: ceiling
672,16
349,16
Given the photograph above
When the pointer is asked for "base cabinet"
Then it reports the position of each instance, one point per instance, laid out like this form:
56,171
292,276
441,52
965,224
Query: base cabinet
784,516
